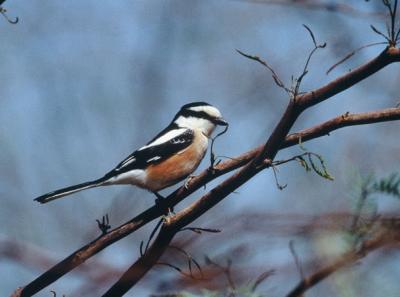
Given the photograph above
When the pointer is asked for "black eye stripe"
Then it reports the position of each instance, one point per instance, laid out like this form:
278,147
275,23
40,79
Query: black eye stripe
198,114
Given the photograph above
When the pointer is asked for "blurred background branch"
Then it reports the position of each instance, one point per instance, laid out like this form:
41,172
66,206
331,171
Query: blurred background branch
329,6
386,235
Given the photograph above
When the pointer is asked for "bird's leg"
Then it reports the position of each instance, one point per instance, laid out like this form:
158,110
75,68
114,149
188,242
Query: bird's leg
160,201
188,180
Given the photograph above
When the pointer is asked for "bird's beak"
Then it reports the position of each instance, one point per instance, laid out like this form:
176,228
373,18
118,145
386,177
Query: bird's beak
221,122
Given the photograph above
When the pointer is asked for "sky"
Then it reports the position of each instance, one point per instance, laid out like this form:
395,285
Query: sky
84,83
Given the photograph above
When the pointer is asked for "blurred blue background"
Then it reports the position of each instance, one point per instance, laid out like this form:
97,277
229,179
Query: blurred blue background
84,83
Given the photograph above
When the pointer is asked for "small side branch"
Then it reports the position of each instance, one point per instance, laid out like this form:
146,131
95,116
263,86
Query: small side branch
351,54
345,120
296,88
388,56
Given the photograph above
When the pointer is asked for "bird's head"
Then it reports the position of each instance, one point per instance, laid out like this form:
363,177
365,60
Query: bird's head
199,115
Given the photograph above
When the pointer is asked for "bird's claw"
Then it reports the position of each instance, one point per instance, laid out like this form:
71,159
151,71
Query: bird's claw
188,180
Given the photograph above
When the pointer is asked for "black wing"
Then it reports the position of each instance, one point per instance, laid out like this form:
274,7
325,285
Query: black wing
141,158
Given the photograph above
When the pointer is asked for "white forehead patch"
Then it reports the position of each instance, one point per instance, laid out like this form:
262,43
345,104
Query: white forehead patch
211,110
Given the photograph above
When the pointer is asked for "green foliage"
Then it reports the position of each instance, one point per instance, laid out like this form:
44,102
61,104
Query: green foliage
366,211
314,162
389,185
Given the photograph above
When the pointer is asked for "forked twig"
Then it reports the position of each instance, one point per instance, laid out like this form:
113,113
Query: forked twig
296,88
104,225
190,261
262,277
225,269
392,36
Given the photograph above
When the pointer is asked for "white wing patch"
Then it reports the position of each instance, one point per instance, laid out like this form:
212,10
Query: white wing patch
153,159
164,138
126,162
135,177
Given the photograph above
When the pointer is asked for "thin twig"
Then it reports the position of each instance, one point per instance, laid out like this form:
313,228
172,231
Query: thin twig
348,56
380,33
296,259
200,230
275,76
279,186
299,80
212,154
190,260
262,277
225,269
153,233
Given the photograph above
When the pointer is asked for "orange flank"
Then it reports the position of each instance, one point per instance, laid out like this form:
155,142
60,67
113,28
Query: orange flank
178,167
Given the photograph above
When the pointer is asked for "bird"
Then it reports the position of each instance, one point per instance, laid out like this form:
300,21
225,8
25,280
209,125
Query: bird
170,157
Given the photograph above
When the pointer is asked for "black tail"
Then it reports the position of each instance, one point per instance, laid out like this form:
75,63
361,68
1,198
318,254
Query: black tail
69,190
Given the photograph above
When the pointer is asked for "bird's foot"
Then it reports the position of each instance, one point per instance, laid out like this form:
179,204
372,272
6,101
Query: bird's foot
188,180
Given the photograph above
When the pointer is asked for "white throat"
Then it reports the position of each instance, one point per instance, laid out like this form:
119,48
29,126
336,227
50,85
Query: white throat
204,125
